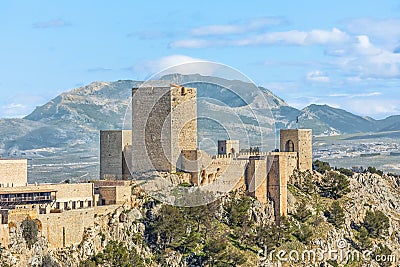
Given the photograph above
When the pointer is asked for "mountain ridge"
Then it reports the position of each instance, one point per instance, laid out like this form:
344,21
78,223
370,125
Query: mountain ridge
69,124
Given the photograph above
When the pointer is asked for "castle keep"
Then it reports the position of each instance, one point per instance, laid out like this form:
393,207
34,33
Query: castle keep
163,124
164,138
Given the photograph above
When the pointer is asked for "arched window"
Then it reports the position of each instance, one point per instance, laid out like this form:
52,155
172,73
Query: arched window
289,146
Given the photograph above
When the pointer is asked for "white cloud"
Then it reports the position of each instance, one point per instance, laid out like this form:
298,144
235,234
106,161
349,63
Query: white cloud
386,31
293,37
362,59
225,29
317,76
56,23
170,61
190,43
14,110
377,108
355,95
177,64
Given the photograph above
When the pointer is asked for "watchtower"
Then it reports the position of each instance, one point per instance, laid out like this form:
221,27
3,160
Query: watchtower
300,141
228,147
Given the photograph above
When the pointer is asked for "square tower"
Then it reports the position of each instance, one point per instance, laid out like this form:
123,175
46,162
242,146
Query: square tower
164,122
228,147
300,141
255,178
115,154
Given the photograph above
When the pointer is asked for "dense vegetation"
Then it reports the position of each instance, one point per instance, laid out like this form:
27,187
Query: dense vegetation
227,231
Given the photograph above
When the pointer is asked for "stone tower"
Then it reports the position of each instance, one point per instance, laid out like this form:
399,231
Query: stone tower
255,178
115,154
228,147
300,141
164,122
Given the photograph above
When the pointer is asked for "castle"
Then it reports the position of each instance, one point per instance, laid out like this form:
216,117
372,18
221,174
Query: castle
164,139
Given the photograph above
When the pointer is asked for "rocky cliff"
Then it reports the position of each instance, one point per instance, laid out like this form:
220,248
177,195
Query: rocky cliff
238,231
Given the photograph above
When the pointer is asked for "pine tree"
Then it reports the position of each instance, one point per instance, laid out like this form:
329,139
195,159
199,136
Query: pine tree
335,215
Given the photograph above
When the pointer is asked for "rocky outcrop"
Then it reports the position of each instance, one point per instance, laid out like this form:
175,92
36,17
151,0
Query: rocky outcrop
127,224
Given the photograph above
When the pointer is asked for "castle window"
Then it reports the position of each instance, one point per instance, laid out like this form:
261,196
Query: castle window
289,146
183,91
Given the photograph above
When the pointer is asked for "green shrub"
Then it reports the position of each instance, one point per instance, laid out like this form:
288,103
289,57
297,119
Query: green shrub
334,185
185,184
302,213
346,172
362,237
48,261
374,170
376,223
29,231
304,234
335,215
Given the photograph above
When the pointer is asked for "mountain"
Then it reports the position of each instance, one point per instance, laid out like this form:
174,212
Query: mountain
61,137
327,120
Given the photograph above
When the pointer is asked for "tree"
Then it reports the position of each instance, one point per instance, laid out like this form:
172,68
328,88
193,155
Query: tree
304,181
304,234
302,213
321,166
346,172
115,254
374,170
376,223
334,185
362,237
48,261
335,215
237,211
214,249
29,231
168,228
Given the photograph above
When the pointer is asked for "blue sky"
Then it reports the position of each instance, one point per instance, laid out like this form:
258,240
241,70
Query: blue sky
342,53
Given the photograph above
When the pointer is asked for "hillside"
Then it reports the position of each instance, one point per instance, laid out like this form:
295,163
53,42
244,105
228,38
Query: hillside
236,230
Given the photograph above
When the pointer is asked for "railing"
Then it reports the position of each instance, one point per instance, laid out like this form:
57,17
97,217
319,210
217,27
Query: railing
27,199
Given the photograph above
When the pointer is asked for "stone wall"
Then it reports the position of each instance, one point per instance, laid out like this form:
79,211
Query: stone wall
110,195
66,228
13,172
280,167
183,121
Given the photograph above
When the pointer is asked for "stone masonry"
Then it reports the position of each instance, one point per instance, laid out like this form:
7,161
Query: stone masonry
115,154
13,172
164,122
300,141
